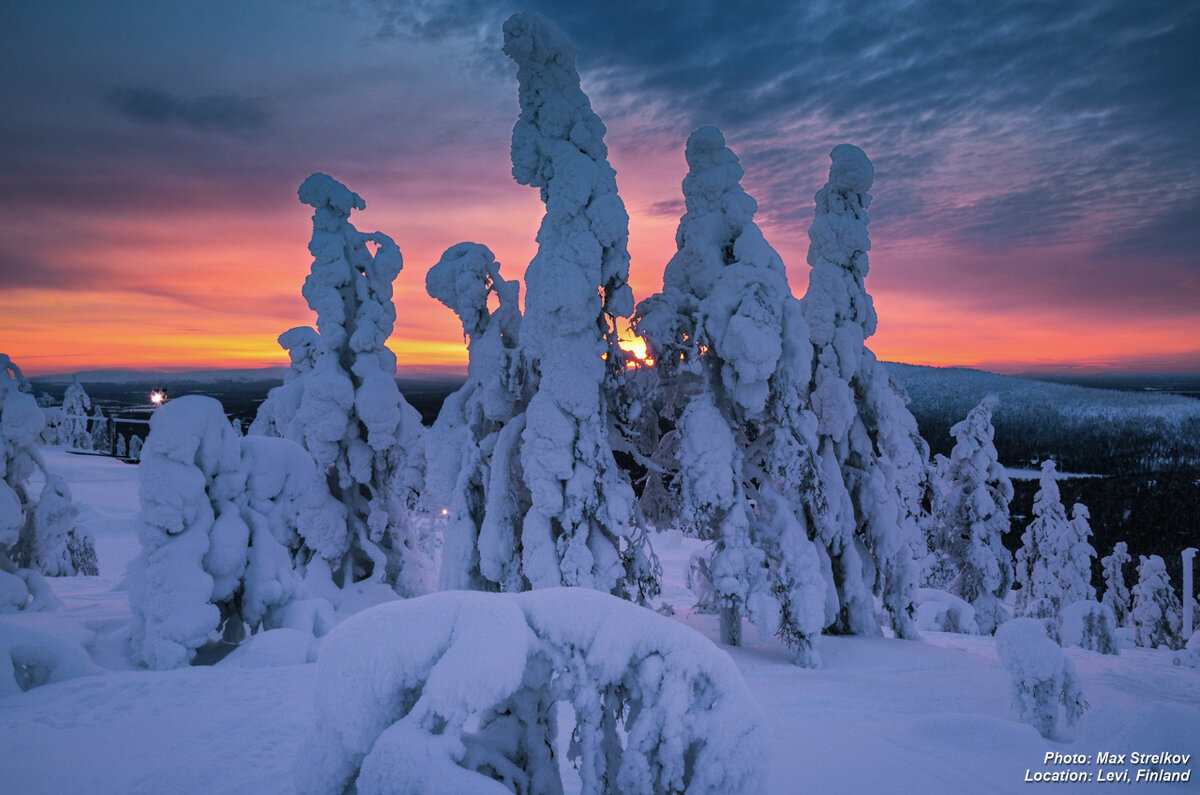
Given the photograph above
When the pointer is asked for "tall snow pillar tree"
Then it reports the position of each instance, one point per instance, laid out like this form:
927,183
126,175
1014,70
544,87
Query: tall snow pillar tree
351,417
729,340
864,425
581,528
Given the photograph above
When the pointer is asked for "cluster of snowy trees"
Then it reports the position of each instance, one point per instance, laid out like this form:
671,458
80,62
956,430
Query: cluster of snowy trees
37,530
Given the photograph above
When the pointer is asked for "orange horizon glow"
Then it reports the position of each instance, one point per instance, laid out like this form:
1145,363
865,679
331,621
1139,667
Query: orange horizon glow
166,293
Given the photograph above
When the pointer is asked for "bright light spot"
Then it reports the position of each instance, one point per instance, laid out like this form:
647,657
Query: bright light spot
445,512
157,397
632,344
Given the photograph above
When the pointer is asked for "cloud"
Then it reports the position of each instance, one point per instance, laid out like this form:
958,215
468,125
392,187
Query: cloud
226,114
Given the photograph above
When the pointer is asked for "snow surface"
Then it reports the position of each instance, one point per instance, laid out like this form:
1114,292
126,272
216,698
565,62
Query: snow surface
881,715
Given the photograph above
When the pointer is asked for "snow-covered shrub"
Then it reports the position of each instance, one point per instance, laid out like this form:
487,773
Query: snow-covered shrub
972,517
458,473
135,448
730,343
570,519
218,529
73,431
1043,676
1038,560
1157,615
1116,592
33,536
29,658
407,703
122,448
941,611
868,438
1089,625
341,402
1190,656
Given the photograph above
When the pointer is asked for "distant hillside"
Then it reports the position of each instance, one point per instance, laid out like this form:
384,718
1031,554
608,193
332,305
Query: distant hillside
1084,429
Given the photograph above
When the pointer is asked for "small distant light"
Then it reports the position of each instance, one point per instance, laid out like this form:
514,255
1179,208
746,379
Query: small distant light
157,397
445,512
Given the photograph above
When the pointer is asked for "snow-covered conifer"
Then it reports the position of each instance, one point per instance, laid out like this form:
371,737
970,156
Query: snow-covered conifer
405,701
218,529
101,439
972,517
868,438
729,338
33,536
1038,559
73,432
1089,625
1043,677
135,448
1157,615
1074,555
341,401
122,447
461,441
1116,592
581,526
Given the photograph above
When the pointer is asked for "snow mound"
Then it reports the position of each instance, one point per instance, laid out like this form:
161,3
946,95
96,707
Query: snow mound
29,659
941,611
1089,625
1042,675
406,701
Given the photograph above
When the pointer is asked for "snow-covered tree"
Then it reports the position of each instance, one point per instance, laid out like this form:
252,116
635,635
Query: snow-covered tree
580,526
1043,677
1074,555
461,441
73,432
342,404
122,447
34,537
1089,625
1157,615
867,435
1038,559
135,448
1116,592
218,529
405,701
731,344
972,517
101,439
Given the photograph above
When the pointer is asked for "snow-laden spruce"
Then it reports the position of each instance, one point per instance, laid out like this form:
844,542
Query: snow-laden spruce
867,435
1038,559
101,435
972,517
580,527
341,401
219,530
407,703
458,472
1157,615
1042,676
1089,625
730,343
73,430
1116,592
1074,555
37,536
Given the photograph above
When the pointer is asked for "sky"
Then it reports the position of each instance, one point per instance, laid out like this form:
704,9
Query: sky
1036,203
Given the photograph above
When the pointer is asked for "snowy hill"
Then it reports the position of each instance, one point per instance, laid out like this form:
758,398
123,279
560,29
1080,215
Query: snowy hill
881,715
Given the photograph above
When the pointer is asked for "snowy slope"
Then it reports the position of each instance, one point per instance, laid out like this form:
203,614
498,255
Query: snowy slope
881,715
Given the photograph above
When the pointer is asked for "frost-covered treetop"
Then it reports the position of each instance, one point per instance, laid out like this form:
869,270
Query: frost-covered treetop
838,249
558,146
462,279
337,267
11,377
719,222
1048,493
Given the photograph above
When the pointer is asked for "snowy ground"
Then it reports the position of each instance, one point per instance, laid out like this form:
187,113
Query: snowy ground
880,716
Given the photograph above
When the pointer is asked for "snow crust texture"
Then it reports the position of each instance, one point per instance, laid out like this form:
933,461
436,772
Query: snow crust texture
407,703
